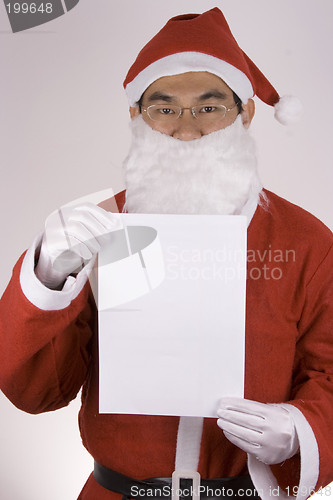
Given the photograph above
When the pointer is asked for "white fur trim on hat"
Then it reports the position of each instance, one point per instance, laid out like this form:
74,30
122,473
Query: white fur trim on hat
184,62
288,109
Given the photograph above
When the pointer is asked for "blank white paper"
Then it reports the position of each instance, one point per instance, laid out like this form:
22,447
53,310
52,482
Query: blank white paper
171,301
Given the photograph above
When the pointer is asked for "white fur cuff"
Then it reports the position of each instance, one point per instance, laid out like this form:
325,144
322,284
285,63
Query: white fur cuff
262,476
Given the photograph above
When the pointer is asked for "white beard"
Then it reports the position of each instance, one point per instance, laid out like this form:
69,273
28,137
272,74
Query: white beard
216,174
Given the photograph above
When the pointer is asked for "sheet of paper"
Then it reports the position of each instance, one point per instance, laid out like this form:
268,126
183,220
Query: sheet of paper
171,301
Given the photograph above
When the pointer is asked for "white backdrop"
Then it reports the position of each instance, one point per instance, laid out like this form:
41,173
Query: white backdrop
64,133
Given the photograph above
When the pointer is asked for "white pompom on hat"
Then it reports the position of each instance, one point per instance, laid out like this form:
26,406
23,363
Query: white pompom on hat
288,109
204,42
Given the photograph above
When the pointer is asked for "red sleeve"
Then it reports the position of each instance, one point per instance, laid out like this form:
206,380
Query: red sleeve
313,369
44,354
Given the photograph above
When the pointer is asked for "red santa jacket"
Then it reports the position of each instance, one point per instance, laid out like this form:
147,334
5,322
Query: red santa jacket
48,355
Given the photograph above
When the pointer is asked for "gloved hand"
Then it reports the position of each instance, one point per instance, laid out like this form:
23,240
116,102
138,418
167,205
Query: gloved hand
71,238
263,430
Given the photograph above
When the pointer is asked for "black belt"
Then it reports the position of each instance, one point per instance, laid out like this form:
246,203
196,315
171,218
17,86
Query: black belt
160,488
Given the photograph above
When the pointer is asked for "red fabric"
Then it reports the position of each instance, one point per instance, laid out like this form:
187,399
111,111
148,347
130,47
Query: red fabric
48,355
207,33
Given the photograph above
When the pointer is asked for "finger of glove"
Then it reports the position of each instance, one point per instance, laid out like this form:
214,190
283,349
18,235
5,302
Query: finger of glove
95,233
243,405
89,222
63,235
69,244
74,239
240,432
272,418
243,419
98,230
68,262
267,456
81,240
46,272
99,220
243,445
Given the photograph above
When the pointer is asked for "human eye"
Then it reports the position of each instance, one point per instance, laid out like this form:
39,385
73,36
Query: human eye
208,108
164,110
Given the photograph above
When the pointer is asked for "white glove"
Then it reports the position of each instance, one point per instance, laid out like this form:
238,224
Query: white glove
264,430
72,237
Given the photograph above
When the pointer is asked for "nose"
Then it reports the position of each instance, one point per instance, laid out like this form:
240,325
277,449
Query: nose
187,127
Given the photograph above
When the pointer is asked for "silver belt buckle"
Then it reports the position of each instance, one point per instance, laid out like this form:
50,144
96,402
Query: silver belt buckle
177,475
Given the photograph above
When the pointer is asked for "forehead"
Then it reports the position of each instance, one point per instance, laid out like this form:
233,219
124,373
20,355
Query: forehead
191,84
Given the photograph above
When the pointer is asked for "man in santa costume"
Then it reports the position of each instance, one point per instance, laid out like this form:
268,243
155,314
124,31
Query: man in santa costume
190,92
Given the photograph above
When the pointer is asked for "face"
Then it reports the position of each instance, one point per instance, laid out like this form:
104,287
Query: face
187,90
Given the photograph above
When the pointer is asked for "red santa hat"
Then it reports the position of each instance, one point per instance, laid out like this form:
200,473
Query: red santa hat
204,42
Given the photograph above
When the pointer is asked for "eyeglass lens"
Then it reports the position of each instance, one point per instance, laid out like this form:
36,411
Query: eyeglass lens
204,112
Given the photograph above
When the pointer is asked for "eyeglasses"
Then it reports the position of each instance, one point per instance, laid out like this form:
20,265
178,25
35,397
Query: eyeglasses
205,113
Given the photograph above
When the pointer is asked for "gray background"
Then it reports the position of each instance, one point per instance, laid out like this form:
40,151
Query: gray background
64,133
